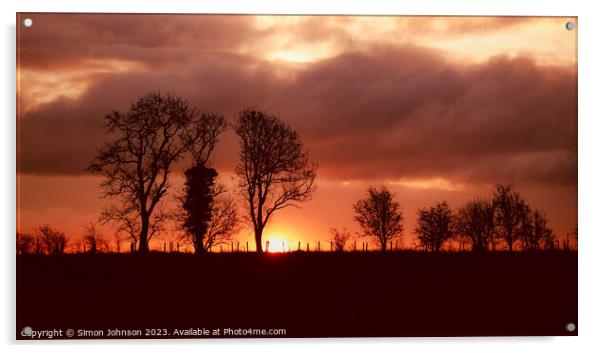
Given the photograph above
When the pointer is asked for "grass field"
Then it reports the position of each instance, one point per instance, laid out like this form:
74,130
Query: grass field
307,294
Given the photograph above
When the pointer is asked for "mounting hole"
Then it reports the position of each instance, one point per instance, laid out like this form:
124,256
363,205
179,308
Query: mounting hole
570,25
570,327
27,22
26,331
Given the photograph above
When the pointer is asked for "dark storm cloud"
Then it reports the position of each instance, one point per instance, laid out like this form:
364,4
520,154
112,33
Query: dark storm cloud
65,40
389,112
60,137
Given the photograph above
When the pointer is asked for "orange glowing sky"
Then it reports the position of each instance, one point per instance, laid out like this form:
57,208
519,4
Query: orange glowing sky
436,108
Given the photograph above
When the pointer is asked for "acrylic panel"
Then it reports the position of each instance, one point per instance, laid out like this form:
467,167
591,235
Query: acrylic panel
237,176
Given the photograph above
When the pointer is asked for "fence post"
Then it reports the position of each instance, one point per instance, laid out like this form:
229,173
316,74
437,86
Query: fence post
330,246
354,244
267,246
307,247
247,246
283,248
220,248
178,246
164,247
299,246
318,246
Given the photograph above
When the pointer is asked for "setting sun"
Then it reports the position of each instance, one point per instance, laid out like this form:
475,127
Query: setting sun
276,244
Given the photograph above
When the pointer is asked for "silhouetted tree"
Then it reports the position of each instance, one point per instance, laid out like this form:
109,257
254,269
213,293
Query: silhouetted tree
118,239
274,170
550,242
94,240
435,226
511,214
202,137
200,188
223,224
53,240
535,232
197,203
150,138
90,240
474,223
127,220
576,237
25,243
339,238
379,216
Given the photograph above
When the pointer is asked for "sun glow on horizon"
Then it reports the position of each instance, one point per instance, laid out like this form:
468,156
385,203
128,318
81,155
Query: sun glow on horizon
276,244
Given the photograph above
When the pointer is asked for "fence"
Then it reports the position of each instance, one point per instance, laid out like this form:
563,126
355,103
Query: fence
326,246
330,246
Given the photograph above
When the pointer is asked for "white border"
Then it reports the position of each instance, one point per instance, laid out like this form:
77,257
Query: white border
590,114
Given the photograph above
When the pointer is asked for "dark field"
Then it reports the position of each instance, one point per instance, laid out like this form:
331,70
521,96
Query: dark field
308,294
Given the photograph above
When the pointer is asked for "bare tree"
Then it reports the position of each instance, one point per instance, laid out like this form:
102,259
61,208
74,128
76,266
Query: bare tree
339,238
536,233
94,241
575,235
435,226
379,216
128,223
474,222
224,222
25,243
118,240
550,241
53,240
274,170
90,239
511,214
203,136
150,138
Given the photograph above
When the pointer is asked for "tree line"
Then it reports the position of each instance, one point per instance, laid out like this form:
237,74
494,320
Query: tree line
273,172
46,240
505,217
157,132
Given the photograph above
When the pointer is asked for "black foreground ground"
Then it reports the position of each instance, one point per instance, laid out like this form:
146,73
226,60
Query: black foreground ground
307,294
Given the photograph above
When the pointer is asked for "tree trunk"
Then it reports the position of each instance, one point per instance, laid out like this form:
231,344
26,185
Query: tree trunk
383,246
258,247
143,239
199,247
510,244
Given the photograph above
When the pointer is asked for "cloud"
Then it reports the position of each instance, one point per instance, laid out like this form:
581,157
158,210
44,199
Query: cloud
63,40
406,112
376,112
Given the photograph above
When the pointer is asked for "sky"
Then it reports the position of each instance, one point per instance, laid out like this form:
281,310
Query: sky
434,108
